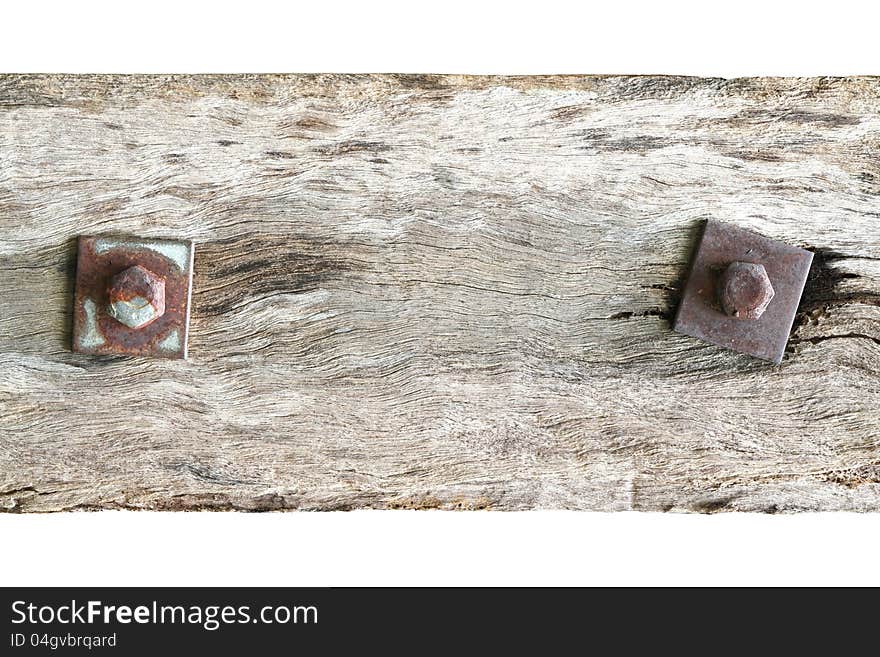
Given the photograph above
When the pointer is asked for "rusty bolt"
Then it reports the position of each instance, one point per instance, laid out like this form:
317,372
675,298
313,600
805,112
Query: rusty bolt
137,297
745,290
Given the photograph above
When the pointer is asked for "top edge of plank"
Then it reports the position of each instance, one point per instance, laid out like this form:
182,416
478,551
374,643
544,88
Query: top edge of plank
51,88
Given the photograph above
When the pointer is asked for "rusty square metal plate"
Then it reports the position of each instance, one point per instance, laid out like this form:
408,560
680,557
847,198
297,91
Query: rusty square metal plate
133,296
701,313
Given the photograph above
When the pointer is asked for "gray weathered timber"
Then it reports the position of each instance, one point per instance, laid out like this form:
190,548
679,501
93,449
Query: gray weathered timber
439,292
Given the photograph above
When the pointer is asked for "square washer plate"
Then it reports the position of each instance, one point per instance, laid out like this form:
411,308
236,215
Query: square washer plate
700,315
101,258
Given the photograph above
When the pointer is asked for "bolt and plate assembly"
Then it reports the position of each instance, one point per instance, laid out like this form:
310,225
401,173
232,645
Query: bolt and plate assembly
133,296
743,291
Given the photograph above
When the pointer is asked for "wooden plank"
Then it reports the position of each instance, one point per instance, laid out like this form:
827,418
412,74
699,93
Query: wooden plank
439,292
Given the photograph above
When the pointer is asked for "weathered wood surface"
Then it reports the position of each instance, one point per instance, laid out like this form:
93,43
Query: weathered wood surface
439,292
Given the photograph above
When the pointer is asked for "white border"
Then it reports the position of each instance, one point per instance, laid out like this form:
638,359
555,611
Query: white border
693,37
406,548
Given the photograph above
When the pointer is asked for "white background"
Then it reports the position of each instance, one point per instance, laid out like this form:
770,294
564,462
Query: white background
440,548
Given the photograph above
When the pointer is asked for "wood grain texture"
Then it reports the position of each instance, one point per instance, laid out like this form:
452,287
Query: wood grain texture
440,292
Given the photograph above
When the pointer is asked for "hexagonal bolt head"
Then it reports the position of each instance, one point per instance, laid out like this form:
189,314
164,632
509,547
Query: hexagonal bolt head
745,290
137,297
